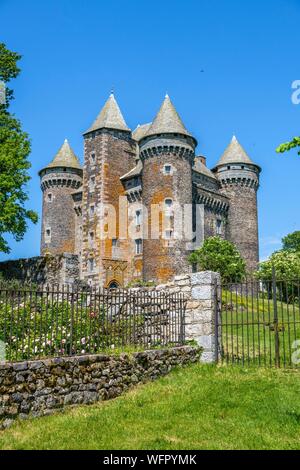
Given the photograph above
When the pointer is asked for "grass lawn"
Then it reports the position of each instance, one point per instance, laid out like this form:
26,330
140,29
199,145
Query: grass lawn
198,407
248,334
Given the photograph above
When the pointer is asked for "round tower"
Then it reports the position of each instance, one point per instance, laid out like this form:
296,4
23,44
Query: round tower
239,181
167,151
59,180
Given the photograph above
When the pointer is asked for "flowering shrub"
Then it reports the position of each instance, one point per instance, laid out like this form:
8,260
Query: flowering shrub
42,327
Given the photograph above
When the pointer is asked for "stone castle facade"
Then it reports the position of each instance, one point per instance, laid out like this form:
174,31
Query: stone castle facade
142,177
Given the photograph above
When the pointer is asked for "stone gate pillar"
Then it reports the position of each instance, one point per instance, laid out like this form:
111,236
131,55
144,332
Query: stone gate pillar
202,291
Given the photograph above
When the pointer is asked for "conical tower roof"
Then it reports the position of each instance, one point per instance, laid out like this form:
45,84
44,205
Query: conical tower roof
167,121
110,117
235,153
65,157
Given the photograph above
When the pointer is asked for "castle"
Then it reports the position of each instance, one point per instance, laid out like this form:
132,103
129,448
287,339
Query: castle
143,176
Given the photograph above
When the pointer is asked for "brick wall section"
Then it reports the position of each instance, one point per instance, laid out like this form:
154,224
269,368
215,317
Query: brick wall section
43,387
58,269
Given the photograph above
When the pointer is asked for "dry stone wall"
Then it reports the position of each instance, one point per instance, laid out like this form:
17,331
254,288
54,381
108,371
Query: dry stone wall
40,388
56,269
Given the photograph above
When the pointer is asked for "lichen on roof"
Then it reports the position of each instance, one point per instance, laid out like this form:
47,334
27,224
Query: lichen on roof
65,157
110,117
167,121
235,153
140,131
201,168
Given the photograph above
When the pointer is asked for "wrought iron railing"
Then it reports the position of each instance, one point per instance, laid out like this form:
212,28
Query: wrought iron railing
60,321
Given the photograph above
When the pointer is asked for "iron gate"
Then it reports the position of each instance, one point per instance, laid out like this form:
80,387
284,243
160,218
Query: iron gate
259,322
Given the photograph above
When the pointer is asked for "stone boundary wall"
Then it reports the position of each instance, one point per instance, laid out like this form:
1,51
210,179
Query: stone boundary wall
49,269
202,293
39,388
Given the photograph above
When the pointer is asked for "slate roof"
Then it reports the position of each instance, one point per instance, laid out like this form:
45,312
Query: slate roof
201,168
167,121
234,153
140,131
65,157
110,117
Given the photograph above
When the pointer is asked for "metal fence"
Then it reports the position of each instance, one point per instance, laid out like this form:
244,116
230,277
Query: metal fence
259,323
60,321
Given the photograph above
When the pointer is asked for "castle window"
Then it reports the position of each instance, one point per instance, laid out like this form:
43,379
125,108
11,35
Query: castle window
219,226
138,218
92,210
169,234
138,246
92,183
228,168
168,169
91,239
93,158
114,242
49,197
47,235
91,265
168,203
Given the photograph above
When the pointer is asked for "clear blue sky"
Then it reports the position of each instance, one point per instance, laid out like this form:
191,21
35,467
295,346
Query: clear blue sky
75,51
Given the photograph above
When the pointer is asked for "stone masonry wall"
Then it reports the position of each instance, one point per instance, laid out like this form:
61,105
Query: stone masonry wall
58,269
201,291
43,387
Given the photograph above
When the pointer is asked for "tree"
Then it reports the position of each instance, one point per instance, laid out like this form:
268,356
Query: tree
286,266
221,256
291,242
289,145
14,165
285,263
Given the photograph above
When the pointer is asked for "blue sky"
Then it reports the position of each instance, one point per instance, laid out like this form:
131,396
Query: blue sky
75,51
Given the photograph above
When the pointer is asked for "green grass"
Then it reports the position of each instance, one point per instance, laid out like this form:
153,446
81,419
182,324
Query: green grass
248,334
198,407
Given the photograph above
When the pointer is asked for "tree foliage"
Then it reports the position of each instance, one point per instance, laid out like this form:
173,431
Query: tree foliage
14,165
285,263
220,256
285,147
291,241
